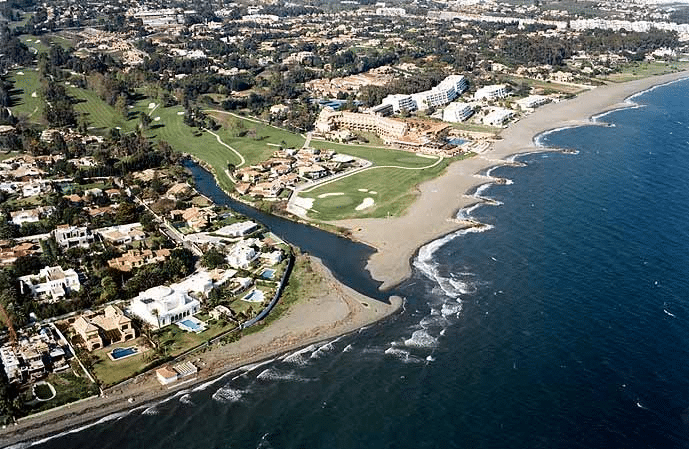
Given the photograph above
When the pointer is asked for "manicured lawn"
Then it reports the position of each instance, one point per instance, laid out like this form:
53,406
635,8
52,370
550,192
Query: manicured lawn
377,155
390,189
254,144
172,129
638,70
109,372
39,44
394,192
26,97
176,341
100,114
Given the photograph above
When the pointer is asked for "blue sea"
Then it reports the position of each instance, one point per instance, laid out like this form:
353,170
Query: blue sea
564,323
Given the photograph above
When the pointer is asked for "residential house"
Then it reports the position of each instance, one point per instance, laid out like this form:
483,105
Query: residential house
161,306
72,236
53,282
135,258
110,326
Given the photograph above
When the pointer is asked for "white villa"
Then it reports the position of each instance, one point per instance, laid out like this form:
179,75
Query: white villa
532,101
161,306
498,117
241,256
71,236
51,281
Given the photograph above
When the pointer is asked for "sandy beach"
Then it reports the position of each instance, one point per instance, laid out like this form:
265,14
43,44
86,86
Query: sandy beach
433,213
333,310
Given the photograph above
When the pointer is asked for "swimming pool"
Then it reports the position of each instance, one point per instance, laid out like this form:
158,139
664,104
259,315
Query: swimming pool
120,353
192,325
268,273
254,296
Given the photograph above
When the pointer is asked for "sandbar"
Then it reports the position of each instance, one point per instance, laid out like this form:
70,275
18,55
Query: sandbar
432,215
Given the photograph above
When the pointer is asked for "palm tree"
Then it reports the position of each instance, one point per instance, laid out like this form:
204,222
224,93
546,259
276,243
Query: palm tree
156,314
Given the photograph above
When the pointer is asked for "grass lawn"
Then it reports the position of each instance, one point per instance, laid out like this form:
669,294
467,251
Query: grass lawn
390,197
254,145
172,129
68,388
394,192
109,372
638,70
8,155
176,341
99,114
27,82
475,127
36,44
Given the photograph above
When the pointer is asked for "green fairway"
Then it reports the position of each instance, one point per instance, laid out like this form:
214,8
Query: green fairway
258,141
99,114
27,98
172,129
36,44
379,191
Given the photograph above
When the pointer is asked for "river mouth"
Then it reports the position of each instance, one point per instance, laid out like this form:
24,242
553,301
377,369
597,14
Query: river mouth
345,258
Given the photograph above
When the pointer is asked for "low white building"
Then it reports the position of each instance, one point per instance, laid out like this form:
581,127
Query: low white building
122,234
457,112
239,229
161,306
273,257
51,281
498,117
493,92
532,101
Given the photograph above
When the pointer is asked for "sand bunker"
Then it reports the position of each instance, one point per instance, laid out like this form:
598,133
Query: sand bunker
20,73
373,192
34,94
304,203
180,113
366,203
151,105
157,119
363,190
325,195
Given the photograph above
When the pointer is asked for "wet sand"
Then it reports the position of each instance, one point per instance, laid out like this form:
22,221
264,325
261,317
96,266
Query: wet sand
433,213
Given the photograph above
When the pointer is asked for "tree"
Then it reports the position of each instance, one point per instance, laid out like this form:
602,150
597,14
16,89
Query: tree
212,259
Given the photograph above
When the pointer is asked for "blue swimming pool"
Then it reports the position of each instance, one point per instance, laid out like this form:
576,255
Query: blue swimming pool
119,353
254,296
268,273
194,326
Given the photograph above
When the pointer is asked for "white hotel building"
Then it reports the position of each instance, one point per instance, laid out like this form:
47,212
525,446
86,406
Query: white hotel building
442,94
457,112
493,92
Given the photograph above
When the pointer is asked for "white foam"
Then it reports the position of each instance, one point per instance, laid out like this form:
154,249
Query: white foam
421,339
297,357
151,411
451,309
272,374
466,212
347,348
186,399
322,351
228,395
402,354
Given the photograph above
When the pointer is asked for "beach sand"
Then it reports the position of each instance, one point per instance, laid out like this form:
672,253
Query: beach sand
433,213
333,310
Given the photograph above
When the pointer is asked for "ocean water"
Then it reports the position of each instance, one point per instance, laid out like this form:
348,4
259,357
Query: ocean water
565,323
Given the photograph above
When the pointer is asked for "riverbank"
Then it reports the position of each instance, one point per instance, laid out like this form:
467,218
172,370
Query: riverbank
332,309
432,215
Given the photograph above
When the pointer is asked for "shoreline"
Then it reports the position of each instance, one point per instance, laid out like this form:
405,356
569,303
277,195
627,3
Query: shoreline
339,310
334,311
433,214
